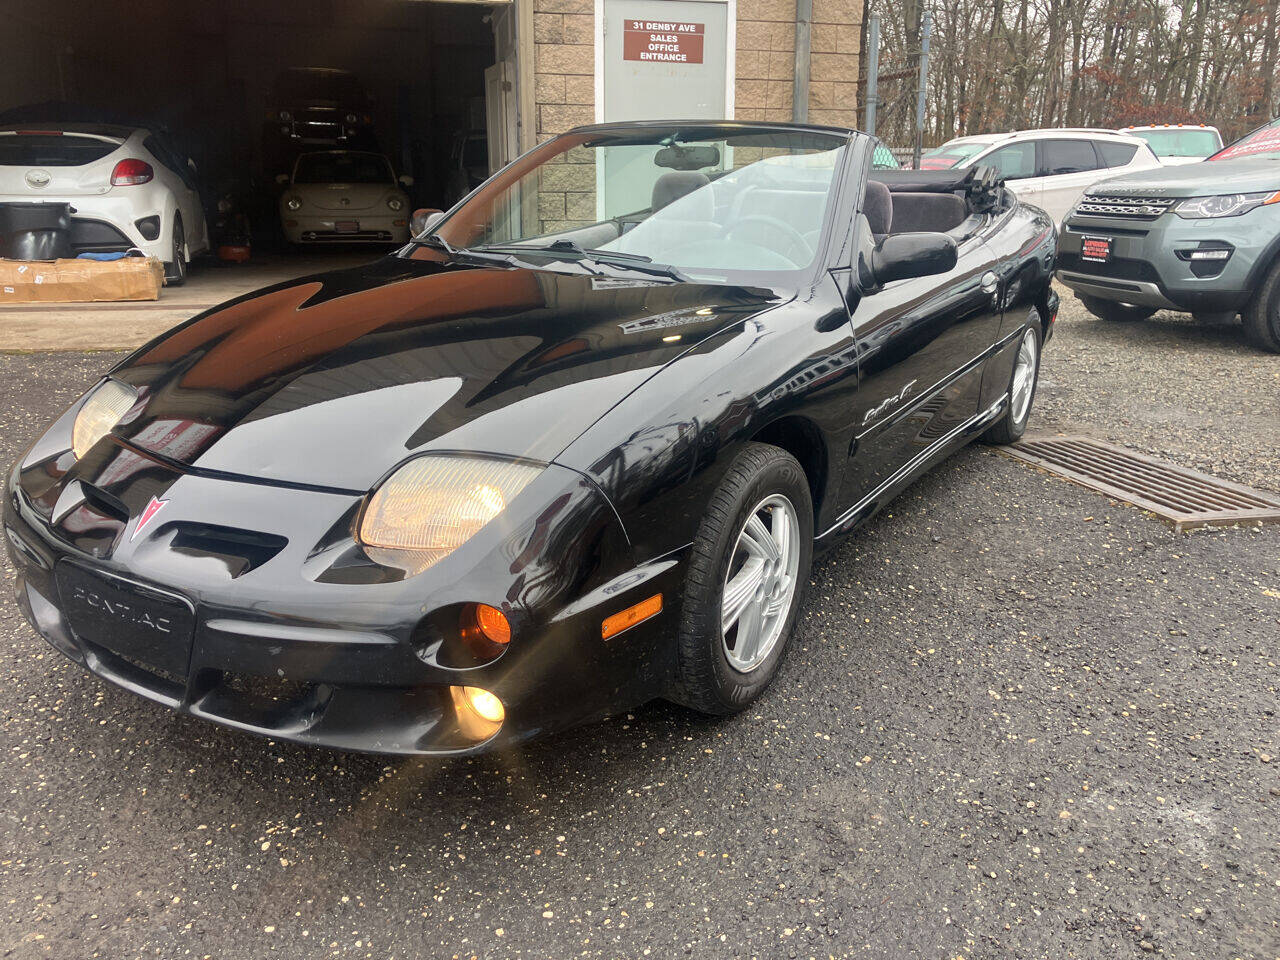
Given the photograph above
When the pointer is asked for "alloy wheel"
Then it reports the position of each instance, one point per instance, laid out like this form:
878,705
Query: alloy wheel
760,584
1024,377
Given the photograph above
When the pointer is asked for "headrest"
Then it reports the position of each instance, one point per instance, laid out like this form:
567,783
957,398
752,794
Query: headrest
938,212
877,206
674,185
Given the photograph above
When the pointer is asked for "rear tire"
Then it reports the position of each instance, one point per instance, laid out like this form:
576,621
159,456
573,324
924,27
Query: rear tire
175,270
1022,389
751,555
1115,312
1262,314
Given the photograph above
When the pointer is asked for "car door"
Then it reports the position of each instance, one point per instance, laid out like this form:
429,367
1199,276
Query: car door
1069,167
921,345
1017,164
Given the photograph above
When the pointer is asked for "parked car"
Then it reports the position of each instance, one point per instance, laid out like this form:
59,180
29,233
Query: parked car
127,187
345,196
1049,168
320,105
1178,143
1201,239
522,473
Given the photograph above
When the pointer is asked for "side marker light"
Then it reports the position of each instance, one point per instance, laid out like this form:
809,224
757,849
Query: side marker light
628,618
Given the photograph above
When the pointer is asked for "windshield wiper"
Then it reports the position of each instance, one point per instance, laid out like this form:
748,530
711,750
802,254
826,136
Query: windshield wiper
569,249
464,253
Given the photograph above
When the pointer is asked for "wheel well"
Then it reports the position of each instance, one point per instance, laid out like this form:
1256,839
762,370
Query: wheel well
802,439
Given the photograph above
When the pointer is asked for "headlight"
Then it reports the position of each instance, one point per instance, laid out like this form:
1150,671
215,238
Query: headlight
352,118
434,504
293,203
1226,205
395,203
100,413
285,116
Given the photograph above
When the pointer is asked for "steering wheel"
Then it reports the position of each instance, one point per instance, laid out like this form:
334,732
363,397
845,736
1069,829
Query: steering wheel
797,250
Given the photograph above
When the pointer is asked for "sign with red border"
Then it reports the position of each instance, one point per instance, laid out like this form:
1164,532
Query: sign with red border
662,41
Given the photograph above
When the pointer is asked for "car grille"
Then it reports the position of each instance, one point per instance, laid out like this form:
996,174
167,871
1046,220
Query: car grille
1130,208
1118,268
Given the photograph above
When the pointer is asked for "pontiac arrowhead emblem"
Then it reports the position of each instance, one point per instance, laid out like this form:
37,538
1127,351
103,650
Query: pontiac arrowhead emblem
148,515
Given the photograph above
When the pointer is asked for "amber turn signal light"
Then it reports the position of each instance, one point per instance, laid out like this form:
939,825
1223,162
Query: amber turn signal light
628,618
493,623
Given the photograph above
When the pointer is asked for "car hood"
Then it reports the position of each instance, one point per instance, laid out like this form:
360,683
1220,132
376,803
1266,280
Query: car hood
1209,178
332,380
345,196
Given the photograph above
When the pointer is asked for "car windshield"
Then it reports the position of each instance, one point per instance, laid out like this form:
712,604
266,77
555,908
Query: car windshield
1261,144
1179,143
719,203
342,168
950,154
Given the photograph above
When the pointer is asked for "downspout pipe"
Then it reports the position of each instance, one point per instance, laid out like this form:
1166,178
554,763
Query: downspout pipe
800,89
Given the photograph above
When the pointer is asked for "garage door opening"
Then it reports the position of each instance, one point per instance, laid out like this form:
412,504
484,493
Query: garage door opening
242,88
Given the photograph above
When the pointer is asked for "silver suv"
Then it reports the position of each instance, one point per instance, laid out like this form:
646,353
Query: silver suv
1201,239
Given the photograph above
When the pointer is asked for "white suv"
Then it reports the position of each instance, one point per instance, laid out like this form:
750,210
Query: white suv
1049,168
127,187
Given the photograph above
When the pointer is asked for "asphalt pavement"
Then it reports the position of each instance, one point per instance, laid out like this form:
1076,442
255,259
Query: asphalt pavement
1017,720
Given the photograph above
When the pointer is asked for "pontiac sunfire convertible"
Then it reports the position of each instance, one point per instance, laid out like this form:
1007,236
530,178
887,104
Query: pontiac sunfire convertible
569,450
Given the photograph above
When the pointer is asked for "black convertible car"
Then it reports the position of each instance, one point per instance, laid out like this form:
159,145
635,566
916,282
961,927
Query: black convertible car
570,450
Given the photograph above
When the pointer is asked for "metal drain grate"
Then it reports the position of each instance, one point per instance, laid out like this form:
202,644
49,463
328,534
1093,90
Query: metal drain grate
1186,498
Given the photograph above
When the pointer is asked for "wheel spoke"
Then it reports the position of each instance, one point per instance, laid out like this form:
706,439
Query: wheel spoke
739,592
780,532
759,541
750,631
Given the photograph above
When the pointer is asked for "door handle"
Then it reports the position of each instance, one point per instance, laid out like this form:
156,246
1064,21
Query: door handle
989,282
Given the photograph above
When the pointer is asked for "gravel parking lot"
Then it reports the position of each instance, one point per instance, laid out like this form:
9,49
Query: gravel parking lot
1018,720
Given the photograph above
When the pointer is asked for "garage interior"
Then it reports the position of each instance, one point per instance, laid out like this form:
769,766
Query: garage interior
205,73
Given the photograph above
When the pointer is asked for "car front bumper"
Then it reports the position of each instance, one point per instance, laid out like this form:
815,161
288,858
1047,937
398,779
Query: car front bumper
356,227
294,651
1150,263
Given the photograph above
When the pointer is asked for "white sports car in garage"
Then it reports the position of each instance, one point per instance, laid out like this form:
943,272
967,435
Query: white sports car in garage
127,187
344,196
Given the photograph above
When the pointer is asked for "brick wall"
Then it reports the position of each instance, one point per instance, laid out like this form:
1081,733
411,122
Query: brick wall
564,64
766,60
833,64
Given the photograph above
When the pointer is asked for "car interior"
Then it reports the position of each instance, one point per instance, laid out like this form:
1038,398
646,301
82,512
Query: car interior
954,202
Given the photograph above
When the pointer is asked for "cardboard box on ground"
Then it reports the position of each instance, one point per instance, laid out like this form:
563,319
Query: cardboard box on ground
73,281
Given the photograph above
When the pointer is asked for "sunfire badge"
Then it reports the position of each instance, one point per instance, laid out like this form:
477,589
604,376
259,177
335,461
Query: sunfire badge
148,515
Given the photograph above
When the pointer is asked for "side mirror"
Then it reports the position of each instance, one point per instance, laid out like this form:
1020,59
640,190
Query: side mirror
424,218
406,180
282,178
903,256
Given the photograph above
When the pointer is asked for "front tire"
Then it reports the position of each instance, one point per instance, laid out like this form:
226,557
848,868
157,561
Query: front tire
1262,314
1115,312
748,569
1022,389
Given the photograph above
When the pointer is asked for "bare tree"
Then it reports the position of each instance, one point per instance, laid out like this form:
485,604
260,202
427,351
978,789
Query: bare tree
1009,64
